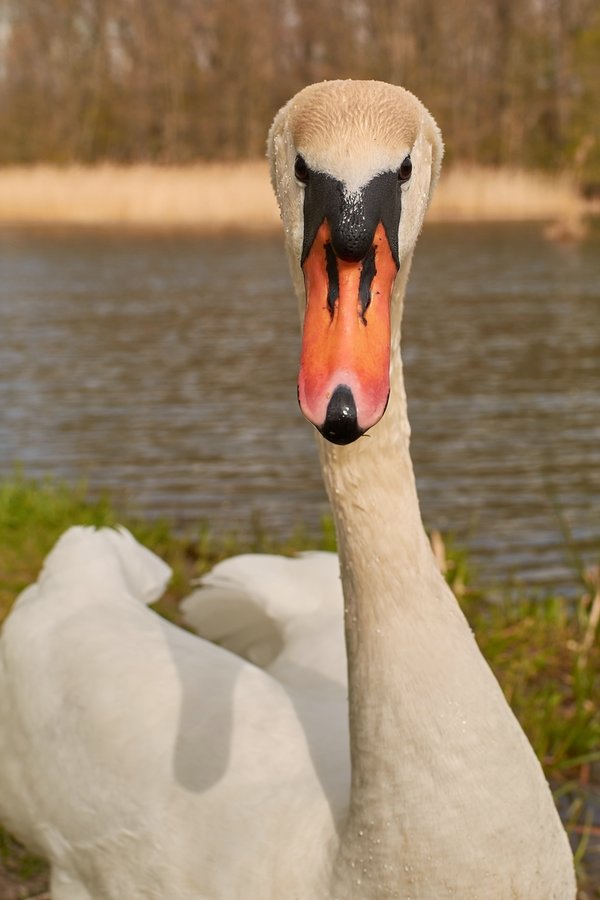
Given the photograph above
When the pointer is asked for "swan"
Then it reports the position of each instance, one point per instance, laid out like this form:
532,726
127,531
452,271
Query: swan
146,762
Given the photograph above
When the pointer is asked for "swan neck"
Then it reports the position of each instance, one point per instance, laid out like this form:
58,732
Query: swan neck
388,572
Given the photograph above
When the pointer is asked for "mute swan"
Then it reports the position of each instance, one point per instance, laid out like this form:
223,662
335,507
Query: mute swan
145,762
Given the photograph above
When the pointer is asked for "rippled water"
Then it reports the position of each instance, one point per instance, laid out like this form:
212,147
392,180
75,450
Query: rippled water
163,367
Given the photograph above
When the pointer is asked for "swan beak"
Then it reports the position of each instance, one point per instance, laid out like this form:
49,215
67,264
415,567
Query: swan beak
344,383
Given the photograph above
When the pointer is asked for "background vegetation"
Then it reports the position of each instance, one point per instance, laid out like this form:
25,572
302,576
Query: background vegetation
171,81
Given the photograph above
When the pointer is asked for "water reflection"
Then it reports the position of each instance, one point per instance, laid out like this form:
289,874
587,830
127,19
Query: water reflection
163,367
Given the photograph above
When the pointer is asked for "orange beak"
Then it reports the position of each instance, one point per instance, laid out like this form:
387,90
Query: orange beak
343,385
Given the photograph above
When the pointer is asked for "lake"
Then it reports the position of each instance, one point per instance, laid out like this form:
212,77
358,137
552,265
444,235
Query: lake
162,367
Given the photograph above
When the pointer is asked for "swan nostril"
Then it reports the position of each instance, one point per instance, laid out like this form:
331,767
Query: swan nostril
341,422
351,241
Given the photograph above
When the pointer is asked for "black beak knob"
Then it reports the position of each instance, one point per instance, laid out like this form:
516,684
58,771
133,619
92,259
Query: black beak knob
341,425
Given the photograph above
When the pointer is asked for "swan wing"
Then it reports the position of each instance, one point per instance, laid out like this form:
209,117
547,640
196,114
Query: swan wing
283,614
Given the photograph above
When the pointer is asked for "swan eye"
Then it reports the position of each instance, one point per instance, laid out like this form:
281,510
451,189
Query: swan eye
301,170
405,170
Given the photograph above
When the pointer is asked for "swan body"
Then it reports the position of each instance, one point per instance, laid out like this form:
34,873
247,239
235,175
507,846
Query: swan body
144,761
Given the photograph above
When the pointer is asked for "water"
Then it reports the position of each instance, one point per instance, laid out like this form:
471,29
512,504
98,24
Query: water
162,367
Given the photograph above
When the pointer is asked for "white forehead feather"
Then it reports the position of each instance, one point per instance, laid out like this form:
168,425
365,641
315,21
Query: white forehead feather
354,130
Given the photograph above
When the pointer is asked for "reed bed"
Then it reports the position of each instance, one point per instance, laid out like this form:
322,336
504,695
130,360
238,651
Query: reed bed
221,196
212,196
479,194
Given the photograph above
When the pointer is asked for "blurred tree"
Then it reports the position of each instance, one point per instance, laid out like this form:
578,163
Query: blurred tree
513,83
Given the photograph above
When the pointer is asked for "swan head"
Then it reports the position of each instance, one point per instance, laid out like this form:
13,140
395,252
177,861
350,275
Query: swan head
353,166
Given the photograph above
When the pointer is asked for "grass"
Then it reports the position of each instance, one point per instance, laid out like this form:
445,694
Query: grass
544,650
22,875
216,196
33,514
545,654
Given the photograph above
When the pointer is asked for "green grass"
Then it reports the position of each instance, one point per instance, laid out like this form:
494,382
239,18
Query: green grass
543,649
21,864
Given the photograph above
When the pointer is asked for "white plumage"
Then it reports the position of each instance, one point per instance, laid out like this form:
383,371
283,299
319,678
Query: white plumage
141,760
282,614
146,762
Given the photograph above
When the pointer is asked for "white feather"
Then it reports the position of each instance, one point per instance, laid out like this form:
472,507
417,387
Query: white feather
283,614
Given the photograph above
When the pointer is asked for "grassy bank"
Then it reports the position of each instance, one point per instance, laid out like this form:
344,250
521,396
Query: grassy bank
216,196
544,650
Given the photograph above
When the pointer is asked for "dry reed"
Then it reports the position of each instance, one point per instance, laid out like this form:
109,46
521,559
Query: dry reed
212,196
480,194
216,196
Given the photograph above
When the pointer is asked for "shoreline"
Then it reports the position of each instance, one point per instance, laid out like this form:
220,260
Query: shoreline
214,197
